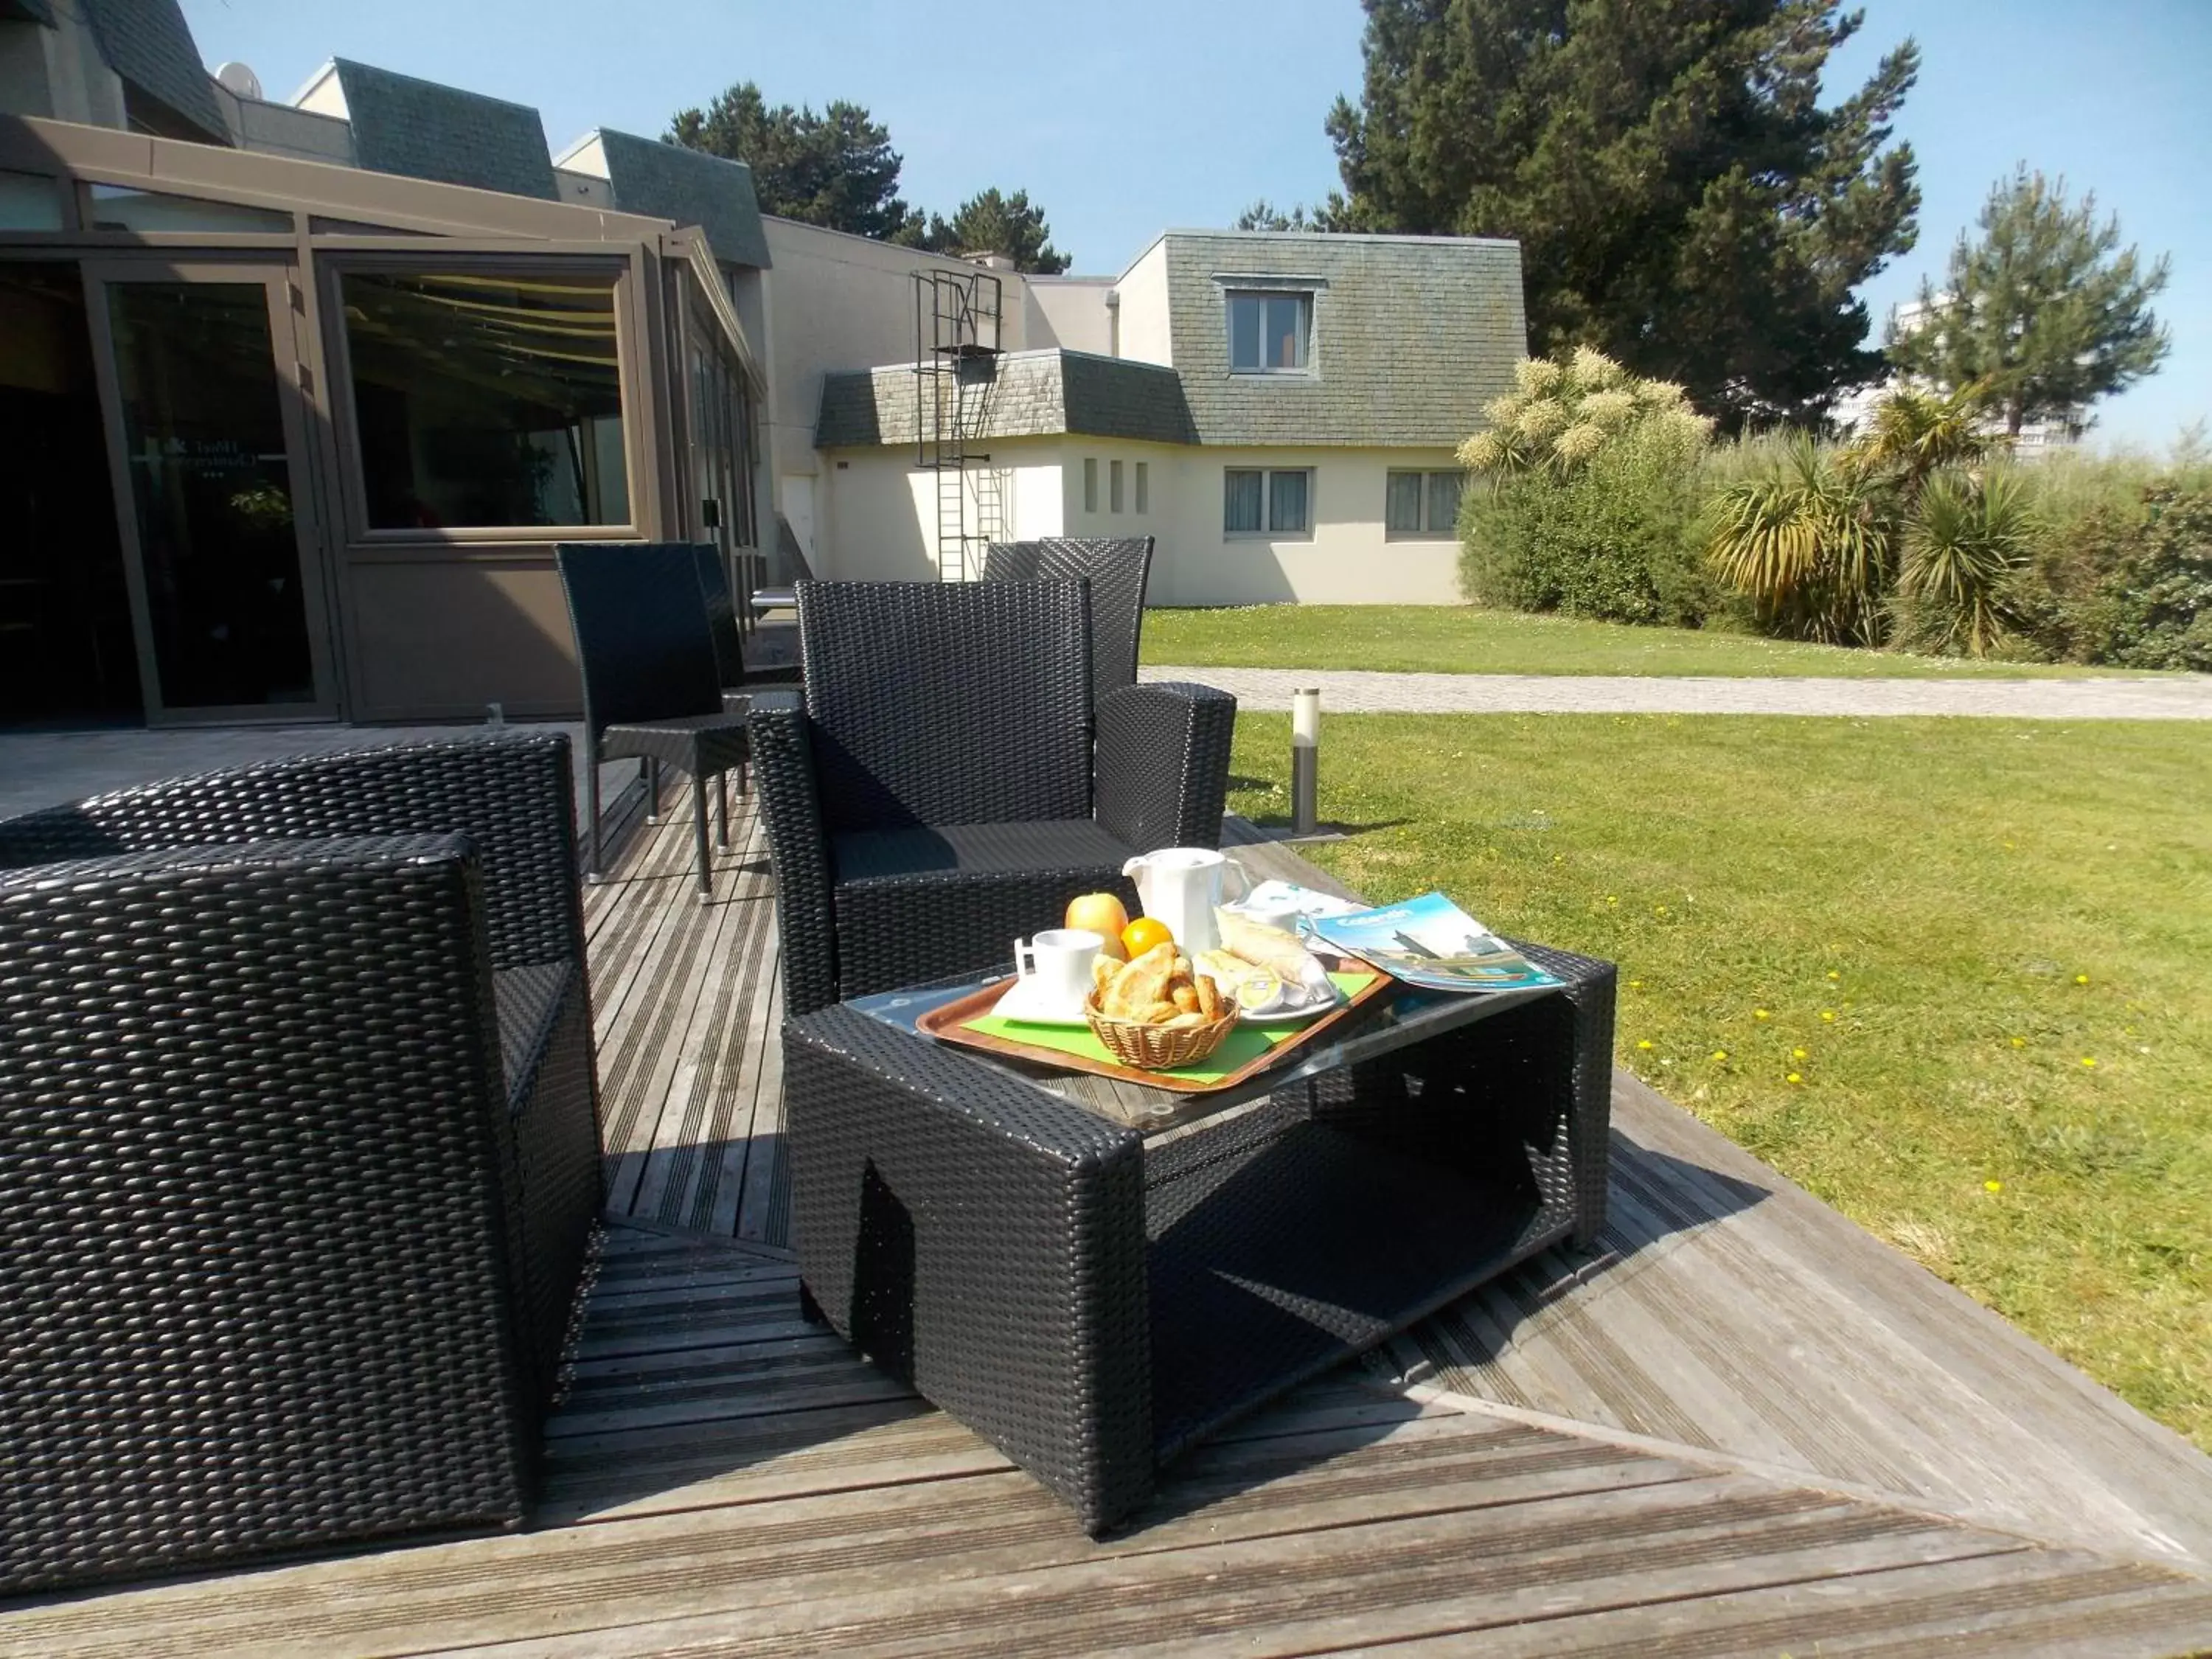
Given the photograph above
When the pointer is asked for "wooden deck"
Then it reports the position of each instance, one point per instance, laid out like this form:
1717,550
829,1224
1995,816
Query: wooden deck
1742,1426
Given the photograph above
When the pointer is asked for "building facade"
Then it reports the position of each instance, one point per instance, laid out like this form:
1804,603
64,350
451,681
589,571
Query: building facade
297,398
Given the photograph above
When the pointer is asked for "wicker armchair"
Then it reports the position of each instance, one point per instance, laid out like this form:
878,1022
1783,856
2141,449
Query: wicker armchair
652,689
1117,570
936,790
299,1155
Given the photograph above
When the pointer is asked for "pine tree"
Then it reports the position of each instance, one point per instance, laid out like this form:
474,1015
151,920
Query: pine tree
837,168
1682,200
2041,314
992,222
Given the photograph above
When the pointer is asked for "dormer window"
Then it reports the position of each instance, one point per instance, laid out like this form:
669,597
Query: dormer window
1269,333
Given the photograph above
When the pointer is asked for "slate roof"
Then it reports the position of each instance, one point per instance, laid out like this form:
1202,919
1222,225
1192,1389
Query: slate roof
37,11
1411,335
148,44
421,130
1032,394
664,182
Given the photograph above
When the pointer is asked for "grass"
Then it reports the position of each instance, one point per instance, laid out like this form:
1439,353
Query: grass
1980,946
1460,639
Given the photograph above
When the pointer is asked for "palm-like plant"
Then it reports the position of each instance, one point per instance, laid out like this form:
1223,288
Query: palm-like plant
1808,539
1913,435
1965,542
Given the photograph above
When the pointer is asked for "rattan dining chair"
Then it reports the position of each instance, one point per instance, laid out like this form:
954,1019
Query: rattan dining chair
652,689
1117,569
736,680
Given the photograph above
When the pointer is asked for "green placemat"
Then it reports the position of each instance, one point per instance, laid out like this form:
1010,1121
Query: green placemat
1238,1049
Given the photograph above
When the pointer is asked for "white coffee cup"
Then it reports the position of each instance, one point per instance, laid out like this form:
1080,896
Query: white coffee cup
1059,959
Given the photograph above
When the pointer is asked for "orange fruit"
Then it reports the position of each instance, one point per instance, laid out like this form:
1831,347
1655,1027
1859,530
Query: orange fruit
1142,935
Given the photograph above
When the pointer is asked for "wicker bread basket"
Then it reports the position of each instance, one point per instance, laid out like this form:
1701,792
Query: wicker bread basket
1157,1047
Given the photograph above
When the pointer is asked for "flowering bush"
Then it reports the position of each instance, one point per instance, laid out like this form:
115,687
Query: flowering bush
1592,497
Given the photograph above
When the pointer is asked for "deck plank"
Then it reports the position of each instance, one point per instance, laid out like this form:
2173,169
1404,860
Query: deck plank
1741,1425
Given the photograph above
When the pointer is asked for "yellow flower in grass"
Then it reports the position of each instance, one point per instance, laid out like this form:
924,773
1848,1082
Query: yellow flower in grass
1760,1014
1800,1054
2019,1042
1993,1186
1793,1078
1833,974
2089,1062
1646,1043
1828,1014
1720,1054
2080,979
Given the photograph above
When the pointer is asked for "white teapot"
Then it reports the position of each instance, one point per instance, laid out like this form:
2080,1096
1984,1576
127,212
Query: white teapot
1180,886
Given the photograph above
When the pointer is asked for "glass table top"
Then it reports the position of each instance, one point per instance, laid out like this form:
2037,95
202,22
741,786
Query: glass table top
1398,1018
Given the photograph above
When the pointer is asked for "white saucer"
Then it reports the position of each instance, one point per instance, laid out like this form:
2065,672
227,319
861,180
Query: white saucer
1294,1016
1032,1002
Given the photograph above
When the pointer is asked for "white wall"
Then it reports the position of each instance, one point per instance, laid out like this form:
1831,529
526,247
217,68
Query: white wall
838,302
876,511
1070,311
1144,301
1347,559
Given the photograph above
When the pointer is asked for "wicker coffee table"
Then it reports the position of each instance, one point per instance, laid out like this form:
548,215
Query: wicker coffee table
1094,1275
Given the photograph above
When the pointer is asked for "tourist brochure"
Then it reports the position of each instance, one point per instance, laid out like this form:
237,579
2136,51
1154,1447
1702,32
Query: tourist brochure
1430,942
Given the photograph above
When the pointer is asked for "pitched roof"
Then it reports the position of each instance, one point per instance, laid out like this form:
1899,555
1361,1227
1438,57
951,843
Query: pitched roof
1032,394
421,130
690,187
1410,335
147,43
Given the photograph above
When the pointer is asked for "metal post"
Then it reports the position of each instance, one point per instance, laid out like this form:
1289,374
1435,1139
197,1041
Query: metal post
1305,759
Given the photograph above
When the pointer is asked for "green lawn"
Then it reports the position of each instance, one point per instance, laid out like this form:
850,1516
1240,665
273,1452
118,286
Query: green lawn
1459,640
1951,976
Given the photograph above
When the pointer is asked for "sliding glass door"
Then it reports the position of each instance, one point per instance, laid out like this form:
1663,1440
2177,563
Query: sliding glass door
207,432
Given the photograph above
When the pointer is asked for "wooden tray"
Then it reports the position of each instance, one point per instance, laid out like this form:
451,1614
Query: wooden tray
946,1025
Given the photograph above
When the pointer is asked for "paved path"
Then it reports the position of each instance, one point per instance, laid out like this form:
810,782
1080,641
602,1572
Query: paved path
1347,691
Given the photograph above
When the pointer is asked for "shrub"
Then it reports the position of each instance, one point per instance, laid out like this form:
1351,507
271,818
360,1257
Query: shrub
1808,538
1592,497
2153,607
1966,544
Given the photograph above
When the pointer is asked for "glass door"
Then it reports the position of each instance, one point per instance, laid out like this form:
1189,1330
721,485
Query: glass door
200,370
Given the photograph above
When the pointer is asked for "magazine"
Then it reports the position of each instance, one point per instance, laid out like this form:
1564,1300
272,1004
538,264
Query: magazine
1430,942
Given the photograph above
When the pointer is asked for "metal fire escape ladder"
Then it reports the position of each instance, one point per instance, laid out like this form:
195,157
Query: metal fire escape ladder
956,324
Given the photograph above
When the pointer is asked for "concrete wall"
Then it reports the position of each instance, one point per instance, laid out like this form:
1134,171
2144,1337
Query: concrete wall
1070,311
877,514
271,129
1145,333
840,302
1346,560
876,511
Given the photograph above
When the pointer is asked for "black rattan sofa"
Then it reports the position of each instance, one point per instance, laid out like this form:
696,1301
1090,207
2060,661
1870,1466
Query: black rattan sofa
944,784
299,1155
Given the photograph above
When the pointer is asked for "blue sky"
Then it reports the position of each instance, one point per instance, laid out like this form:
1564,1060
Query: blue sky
1127,118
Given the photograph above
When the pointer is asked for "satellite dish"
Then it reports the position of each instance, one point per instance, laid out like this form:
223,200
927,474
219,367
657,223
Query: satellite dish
238,78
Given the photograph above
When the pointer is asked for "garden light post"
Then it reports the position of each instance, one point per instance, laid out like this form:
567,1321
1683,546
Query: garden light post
1305,759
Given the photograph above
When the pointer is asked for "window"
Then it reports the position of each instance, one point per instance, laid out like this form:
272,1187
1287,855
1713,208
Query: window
29,201
1114,485
1272,503
124,206
1090,483
1143,487
1268,332
486,399
1422,504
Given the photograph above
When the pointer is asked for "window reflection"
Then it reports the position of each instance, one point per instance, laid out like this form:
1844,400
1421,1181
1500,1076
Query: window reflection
487,401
